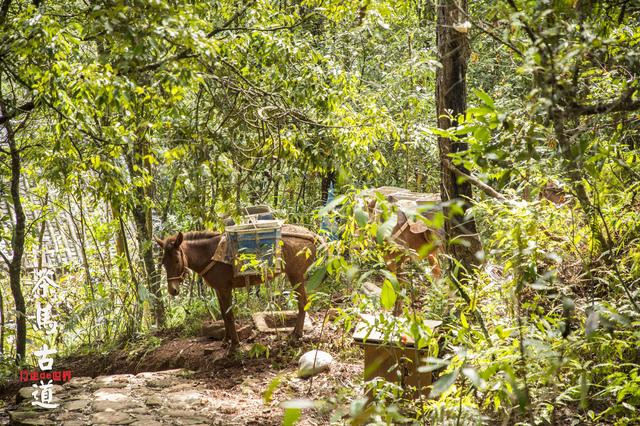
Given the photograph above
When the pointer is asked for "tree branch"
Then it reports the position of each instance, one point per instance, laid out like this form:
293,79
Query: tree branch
182,55
5,258
4,9
188,53
26,107
475,181
237,15
480,25
625,103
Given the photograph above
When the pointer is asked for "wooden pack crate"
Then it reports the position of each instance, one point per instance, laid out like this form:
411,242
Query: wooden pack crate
394,360
259,240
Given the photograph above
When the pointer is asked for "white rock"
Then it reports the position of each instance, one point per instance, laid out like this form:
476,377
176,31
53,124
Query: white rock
314,362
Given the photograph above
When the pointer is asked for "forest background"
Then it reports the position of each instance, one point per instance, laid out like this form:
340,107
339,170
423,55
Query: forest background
124,119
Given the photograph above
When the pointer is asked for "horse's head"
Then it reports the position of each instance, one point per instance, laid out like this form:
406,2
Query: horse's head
174,261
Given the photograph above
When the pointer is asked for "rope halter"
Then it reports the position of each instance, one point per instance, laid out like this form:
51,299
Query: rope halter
183,266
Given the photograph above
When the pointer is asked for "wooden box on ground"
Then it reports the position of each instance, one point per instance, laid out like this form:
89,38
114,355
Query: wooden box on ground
279,321
395,361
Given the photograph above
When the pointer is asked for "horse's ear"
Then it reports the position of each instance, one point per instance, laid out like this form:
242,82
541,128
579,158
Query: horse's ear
159,241
402,217
179,238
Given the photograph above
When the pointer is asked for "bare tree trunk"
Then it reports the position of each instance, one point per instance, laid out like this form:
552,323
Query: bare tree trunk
145,247
137,311
142,216
119,237
1,323
451,101
327,180
17,241
43,228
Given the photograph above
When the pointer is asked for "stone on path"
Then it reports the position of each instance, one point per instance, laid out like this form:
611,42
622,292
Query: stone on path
112,418
76,405
314,362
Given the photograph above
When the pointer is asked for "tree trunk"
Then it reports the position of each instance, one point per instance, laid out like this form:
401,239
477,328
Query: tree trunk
453,49
17,241
145,247
142,216
327,180
572,166
1,323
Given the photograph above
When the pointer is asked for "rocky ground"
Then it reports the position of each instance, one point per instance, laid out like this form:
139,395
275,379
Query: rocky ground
153,398
194,381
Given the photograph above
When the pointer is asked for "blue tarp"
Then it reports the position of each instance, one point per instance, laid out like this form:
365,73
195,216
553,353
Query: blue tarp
328,226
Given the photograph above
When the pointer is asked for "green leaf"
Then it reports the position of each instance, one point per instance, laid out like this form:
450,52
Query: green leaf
273,385
482,134
316,278
361,217
291,416
463,320
391,277
584,391
484,97
387,295
443,383
473,376
384,230
293,410
332,205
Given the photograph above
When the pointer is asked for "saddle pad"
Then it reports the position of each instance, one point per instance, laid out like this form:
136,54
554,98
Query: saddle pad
221,254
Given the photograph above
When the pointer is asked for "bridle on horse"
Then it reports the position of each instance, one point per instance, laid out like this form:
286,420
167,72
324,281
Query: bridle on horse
183,274
181,277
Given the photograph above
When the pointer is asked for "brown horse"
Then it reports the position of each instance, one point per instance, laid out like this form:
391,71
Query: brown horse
194,250
416,236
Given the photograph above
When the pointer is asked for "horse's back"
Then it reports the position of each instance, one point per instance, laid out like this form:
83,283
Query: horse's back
297,231
299,247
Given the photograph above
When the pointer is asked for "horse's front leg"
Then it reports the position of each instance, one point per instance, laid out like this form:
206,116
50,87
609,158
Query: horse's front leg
225,301
298,287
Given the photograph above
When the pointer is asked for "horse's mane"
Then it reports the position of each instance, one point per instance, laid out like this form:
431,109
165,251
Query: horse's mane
199,235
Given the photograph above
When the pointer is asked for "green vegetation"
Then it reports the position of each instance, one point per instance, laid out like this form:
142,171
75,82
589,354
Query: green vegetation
125,119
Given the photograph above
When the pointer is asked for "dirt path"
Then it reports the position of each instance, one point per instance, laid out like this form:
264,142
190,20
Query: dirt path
192,381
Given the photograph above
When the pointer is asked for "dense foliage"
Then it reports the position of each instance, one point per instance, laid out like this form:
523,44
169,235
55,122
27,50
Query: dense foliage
120,120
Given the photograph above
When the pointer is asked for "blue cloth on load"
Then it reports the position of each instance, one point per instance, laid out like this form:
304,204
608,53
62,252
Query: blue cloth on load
328,227
257,242
260,242
266,216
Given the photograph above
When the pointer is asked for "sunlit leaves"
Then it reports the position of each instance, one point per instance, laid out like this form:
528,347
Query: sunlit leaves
443,383
384,230
388,295
361,217
473,376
